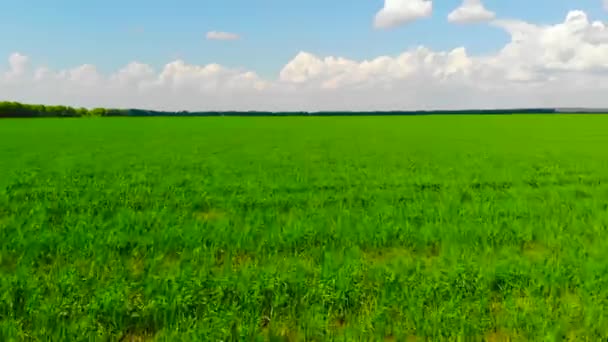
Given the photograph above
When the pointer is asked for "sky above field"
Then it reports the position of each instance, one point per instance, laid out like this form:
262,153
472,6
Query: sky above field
306,55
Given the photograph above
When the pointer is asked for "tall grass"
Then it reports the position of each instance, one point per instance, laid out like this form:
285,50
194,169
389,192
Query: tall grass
304,229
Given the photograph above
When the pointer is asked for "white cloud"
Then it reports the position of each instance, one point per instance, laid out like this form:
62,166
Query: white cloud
561,65
576,45
339,73
179,76
400,12
215,35
85,75
134,74
18,65
471,11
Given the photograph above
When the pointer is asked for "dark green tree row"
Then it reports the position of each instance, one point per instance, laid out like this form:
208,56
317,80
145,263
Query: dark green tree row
20,110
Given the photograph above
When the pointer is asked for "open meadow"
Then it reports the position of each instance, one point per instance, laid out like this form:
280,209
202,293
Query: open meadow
304,229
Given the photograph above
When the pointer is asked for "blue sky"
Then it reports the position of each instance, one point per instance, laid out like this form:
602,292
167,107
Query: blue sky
306,55
111,33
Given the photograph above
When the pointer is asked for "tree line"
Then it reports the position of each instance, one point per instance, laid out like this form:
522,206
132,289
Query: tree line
20,110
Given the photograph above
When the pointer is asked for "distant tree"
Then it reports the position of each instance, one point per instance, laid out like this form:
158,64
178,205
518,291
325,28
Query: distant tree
39,110
82,112
70,112
98,112
116,112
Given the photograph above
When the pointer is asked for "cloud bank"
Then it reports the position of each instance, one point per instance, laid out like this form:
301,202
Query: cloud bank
561,65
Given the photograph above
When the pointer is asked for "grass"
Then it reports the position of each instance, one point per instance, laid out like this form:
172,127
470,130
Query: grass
304,229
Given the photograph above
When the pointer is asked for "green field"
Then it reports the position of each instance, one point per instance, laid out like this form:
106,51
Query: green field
304,229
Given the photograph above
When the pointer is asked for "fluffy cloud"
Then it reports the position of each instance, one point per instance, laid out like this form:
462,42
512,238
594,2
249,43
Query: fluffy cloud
561,65
471,11
215,35
339,73
400,12
576,45
134,74
18,65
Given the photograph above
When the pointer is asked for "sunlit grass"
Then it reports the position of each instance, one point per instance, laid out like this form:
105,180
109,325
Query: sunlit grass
384,228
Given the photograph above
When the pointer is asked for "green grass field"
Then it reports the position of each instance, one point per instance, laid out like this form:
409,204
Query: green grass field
304,229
